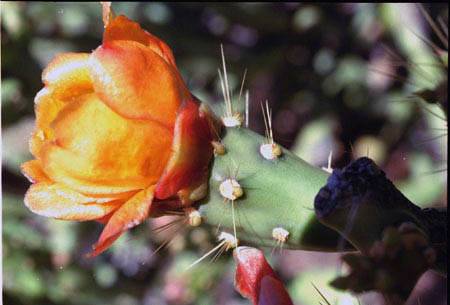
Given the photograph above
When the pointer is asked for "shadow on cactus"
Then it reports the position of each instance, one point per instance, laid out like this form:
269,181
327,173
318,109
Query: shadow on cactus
397,240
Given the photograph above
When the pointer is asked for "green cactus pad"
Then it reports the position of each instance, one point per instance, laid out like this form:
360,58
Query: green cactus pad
276,193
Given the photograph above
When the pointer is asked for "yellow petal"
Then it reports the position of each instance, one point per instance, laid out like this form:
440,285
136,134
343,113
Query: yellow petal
33,171
47,108
67,75
58,201
96,151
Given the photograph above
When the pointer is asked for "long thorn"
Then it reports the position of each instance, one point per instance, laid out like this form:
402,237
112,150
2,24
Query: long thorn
433,25
269,119
158,229
265,122
227,88
246,109
330,157
237,170
320,293
167,225
427,41
167,241
218,254
242,86
273,248
206,255
234,222
443,26
393,75
433,113
431,139
227,106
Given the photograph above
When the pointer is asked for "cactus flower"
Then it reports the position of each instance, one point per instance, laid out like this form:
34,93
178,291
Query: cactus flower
256,280
118,137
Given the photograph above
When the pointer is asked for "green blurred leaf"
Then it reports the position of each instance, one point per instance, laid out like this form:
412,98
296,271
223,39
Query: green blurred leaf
15,144
12,18
424,185
44,50
105,275
306,17
315,142
11,88
350,71
303,292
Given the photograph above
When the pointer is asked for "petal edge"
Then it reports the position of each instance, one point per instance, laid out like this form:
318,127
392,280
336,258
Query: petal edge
129,215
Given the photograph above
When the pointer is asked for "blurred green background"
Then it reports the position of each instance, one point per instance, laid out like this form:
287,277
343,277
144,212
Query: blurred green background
339,77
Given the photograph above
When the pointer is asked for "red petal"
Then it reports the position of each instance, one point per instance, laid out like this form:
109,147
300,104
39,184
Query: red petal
192,152
104,220
129,215
272,292
256,280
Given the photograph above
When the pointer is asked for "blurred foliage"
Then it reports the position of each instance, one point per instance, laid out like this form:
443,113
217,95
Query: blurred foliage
339,77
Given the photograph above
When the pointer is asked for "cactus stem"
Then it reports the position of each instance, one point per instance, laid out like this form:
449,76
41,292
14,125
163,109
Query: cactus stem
279,193
227,242
360,202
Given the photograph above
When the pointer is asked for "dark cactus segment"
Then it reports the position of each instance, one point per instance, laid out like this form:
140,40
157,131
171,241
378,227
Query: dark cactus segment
276,194
360,203
392,266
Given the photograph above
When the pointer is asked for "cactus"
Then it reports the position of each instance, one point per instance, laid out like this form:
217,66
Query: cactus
360,203
392,266
277,193
398,240
269,201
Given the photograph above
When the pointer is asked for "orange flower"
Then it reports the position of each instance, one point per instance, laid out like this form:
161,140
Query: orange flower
118,136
